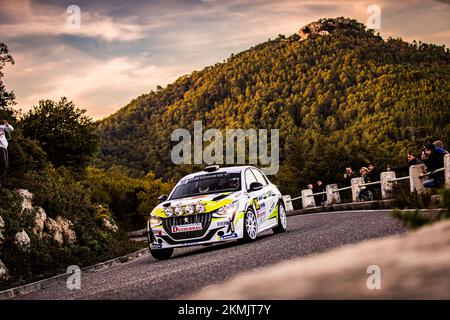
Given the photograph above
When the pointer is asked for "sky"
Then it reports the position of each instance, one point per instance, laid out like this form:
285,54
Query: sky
122,49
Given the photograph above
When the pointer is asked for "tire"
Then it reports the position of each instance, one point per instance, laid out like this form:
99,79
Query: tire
162,254
250,226
282,219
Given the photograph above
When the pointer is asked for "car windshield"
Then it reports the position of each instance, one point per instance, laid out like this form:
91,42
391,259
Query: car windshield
208,183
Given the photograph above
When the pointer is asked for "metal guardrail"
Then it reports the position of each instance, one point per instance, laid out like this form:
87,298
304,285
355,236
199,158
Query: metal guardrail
399,179
432,172
369,184
374,183
343,189
320,193
137,233
316,194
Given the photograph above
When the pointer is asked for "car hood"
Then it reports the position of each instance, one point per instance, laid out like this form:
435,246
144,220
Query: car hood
211,202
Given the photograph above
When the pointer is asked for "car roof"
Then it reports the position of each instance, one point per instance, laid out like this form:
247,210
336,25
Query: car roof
224,169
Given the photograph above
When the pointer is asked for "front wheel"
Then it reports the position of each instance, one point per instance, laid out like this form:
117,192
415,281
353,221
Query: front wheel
282,219
250,226
162,254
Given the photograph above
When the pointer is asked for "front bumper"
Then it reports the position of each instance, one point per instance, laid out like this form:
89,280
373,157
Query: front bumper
214,230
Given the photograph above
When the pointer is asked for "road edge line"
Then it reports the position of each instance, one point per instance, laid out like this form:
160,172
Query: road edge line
46,283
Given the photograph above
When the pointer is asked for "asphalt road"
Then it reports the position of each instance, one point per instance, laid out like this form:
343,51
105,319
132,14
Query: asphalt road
193,268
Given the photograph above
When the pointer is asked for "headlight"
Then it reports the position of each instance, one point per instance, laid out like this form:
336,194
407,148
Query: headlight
154,221
228,209
200,208
178,211
168,212
189,209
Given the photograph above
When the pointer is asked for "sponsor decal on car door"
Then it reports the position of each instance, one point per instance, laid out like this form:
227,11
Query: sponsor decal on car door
261,213
256,198
268,197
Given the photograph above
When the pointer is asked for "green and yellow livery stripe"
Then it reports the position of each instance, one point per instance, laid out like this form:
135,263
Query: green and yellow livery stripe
238,217
159,213
211,205
274,213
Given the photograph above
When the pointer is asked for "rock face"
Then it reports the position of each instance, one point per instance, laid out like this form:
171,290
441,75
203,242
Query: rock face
22,240
4,274
27,199
2,228
39,221
327,26
104,217
60,229
109,226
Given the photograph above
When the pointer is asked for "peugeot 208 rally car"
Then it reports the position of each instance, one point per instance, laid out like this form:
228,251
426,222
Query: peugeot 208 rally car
215,205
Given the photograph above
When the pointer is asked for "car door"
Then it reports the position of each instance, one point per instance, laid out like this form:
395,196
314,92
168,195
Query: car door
269,198
257,198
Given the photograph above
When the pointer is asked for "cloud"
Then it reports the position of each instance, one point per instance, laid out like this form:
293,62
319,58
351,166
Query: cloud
24,20
98,86
125,48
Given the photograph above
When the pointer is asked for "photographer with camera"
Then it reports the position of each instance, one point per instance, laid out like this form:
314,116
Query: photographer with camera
5,128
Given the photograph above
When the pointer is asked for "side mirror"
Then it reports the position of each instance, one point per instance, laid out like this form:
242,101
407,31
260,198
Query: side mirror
163,198
255,186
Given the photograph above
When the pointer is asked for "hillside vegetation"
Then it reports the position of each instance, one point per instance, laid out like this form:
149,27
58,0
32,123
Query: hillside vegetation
55,210
347,97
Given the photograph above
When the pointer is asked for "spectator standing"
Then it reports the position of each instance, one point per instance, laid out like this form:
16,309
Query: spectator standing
373,174
348,176
366,193
319,199
5,128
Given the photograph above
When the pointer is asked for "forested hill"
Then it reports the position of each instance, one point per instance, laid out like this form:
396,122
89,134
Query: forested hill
340,94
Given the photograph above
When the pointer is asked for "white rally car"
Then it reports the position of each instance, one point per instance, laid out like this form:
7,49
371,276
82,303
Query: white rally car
215,205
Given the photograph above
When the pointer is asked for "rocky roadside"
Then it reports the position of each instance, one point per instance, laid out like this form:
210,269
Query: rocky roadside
59,229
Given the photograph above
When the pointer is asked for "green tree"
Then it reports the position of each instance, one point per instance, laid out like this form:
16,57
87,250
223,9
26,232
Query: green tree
24,154
6,97
64,132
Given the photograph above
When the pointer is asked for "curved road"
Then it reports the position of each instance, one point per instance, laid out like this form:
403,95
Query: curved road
193,268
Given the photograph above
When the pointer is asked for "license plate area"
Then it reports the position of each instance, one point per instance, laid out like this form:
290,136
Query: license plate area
186,227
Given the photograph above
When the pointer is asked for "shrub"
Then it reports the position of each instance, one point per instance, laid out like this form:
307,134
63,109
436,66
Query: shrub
64,132
416,219
404,198
59,194
129,199
411,219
